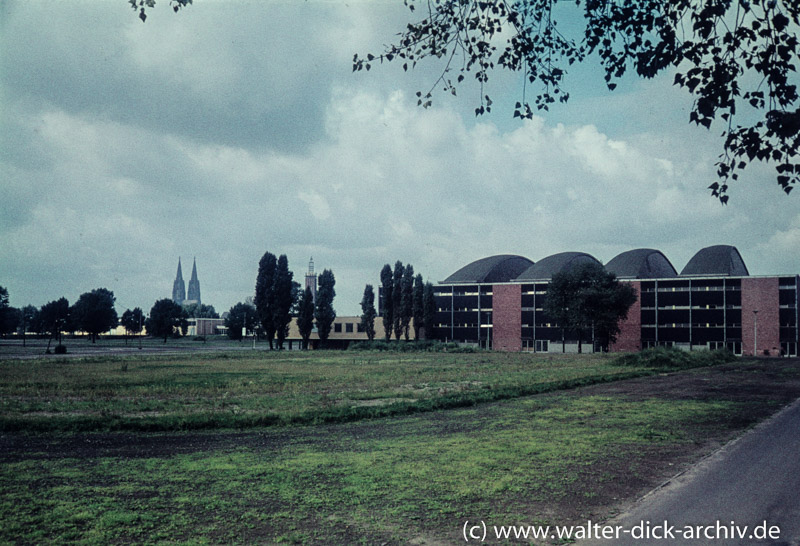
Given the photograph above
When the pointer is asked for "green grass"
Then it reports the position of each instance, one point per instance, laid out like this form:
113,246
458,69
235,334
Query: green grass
404,479
249,389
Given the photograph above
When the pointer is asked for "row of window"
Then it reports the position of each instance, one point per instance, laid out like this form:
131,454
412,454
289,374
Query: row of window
348,327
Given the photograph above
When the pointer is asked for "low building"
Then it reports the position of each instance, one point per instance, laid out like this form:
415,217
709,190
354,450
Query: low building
498,302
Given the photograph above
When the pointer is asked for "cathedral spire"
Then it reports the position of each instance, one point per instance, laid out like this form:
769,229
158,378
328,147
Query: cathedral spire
178,288
194,285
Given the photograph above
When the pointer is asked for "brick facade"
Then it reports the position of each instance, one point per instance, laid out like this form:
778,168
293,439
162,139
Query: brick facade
630,335
760,295
507,317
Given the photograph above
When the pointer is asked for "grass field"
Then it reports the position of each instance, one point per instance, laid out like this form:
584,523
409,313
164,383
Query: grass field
244,389
554,458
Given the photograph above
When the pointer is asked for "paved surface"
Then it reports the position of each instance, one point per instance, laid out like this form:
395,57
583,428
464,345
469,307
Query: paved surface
753,480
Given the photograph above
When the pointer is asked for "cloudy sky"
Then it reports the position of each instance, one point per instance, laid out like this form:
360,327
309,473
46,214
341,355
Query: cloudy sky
237,127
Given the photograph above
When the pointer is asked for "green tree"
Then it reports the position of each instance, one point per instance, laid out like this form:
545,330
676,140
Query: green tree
419,305
588,298
283,299
733,57
605,302
166,318
387,285
397,299
265,294
201,310
94,312
368,312
9,317
305,315
324,313
132,321
54,317
429,312
407,300
29,321
241,316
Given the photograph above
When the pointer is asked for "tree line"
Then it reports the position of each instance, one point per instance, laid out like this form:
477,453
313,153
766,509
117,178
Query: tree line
405,300
278,298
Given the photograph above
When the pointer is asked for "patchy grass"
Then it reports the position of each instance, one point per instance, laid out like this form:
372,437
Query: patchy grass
240,390
557,458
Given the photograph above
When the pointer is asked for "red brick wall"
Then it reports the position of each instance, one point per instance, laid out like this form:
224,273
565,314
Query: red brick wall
760,295
630,335
507,317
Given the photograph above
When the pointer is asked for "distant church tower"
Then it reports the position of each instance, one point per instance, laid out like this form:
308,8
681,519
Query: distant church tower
178,288
194,286
311,279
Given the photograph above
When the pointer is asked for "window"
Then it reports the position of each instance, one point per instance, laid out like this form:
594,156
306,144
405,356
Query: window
337,328
348,327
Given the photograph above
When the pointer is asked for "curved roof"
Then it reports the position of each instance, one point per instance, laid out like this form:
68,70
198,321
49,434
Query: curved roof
544,269
717,260
500,268
641,263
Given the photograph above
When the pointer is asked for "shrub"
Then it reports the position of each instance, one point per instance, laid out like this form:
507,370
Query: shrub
670,358
60,349
425,345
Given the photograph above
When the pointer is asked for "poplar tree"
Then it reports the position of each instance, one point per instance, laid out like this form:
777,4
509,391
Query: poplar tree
283,299
407,299
419,305
429,304
368,312
305,315
387,285
325,314
397,299
265,295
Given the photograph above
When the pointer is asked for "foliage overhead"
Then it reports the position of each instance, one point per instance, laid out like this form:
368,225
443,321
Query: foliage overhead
732,56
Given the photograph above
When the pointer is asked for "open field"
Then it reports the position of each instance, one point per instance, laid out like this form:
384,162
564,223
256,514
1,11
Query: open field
256,388
559,457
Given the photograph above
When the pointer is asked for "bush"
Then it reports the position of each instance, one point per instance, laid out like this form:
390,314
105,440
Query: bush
60,349
670,358
425,345
199,338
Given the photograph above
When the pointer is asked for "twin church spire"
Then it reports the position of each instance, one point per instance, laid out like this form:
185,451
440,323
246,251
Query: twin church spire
179,294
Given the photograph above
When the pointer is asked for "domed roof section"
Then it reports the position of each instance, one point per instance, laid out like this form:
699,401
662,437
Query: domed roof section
641,263
544,269
716,260
500,268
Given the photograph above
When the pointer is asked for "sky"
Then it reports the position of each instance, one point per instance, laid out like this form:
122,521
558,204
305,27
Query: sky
236,127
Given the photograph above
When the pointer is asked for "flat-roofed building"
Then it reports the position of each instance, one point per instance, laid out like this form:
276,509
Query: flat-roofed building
713,303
